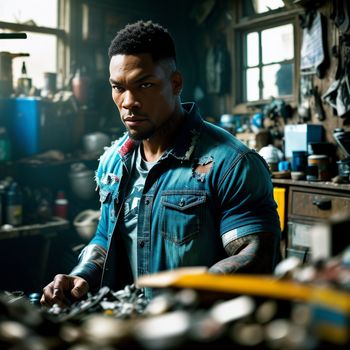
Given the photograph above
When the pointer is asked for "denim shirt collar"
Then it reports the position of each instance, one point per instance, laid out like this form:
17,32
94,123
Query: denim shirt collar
185,142
188,135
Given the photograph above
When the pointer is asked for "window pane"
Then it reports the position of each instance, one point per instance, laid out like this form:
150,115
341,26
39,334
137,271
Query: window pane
252,92
38,62
42,12
284,79
277,80
261,6
277,44
269,80
253,49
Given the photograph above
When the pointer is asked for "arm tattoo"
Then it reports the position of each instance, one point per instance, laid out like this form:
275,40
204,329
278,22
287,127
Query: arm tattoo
250,254
91,261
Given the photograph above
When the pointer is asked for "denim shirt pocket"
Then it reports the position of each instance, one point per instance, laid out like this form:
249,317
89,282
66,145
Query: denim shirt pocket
181,214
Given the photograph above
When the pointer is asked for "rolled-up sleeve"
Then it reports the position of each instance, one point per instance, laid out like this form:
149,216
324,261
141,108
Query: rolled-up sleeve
246,199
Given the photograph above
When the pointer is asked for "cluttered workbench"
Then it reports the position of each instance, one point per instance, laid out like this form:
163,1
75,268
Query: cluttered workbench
193,308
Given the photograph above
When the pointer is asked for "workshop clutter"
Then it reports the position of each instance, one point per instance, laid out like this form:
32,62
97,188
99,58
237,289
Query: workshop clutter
22,204
295,309
26,205
37,125
306,128
6,78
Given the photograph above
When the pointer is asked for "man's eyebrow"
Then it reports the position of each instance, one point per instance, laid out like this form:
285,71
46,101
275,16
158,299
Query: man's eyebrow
112,81
138,80
143,78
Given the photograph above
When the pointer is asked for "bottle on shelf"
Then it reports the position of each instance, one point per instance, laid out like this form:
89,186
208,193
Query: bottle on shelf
14,205
24,83
61,205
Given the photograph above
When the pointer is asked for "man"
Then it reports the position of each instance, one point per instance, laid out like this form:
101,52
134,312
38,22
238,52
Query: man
174,190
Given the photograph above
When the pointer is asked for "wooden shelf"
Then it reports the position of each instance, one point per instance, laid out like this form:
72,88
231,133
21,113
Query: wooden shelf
48,229
35,161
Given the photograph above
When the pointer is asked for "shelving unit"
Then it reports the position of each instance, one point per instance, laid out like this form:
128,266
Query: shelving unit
25,252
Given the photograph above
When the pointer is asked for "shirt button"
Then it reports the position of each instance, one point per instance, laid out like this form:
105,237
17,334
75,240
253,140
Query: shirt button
142,244
182,203
147,201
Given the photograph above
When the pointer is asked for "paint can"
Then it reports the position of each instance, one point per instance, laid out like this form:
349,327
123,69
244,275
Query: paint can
323,166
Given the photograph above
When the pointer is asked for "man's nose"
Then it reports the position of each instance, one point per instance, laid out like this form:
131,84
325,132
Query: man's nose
130,101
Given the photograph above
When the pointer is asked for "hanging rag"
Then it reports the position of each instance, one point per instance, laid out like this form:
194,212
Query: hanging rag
313,53
338,93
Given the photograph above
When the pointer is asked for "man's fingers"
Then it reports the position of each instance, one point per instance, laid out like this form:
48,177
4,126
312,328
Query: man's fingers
81,287
53,293
61,283
61,288
43,301
47,296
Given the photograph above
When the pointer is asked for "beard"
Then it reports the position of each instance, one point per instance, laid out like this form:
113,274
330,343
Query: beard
141,135
163,129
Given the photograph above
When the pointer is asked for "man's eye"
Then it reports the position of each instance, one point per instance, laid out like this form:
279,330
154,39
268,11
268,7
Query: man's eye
117,88
146,85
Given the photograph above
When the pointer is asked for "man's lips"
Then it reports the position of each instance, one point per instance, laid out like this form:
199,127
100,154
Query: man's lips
134,120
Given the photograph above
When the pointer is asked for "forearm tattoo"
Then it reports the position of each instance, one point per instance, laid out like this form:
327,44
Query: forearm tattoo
91,254
250,254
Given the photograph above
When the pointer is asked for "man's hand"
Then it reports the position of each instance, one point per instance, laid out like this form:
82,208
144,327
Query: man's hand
62,286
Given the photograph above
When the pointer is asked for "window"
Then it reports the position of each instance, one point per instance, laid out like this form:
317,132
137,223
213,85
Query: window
266,41
39,20
42,13
269,63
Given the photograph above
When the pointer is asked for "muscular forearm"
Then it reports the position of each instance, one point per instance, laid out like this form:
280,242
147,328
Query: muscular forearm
250,254
91,261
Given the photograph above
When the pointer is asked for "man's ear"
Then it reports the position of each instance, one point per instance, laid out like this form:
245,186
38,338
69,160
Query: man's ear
176,80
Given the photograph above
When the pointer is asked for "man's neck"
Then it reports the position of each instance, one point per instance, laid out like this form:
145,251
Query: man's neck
155,146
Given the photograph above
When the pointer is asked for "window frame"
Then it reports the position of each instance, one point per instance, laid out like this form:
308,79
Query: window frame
260,22
260,64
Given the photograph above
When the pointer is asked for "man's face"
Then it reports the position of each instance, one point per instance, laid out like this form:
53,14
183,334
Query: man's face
145,93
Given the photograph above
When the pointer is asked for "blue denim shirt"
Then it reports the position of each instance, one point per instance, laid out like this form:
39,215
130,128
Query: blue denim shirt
204,192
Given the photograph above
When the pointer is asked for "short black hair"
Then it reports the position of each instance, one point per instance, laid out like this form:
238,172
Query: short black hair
143,37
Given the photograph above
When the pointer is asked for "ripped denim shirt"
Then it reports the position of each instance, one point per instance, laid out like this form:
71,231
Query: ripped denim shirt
204,192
